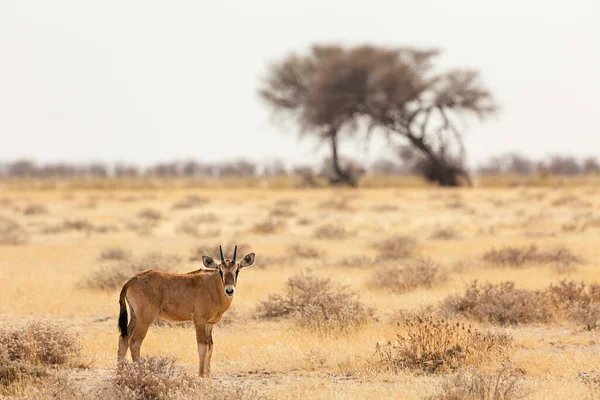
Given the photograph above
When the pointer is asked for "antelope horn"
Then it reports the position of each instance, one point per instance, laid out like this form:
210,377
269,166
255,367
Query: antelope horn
222,256
234,254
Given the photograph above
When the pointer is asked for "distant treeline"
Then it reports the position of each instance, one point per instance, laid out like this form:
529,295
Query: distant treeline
511,163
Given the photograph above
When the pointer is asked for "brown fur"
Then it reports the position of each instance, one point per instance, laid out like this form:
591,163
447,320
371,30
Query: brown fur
197,296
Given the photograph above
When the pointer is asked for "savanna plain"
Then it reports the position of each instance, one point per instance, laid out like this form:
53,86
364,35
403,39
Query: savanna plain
408,293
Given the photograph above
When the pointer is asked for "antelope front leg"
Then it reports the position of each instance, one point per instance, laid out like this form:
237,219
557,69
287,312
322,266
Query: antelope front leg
209,348
202,347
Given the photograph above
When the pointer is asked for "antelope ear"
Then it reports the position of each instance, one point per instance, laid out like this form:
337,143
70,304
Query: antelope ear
247,261
209,262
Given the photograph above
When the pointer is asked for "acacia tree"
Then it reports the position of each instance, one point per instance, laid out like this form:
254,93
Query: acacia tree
333,91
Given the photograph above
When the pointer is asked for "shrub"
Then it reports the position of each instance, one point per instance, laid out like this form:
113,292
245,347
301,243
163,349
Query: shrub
150,214
421,272
26,350
575,301
341,204
304,221
35,209
193,227
115,254
500,303
316,303
518,256
357,261
432,344
12,233
268,226
471,384
331,231
444,234
113,276
384,208
395,247
190,201
78,225
282,212
152,378
157,378
303,251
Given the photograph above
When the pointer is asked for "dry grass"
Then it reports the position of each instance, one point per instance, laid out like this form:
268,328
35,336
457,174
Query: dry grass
286,357
35,209
27,350
268,226
331,231
432,344
516,257
190,201
396,247
444,234
303,251
505,304
12,233
317,304
113,276
471,384
197,227
417,273
115,254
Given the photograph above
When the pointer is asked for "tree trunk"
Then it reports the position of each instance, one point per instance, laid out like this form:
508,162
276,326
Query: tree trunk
436,169
340,177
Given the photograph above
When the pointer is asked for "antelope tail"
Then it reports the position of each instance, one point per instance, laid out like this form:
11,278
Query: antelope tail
123,312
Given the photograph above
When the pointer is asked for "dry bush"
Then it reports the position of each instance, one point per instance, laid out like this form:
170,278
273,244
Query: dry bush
194,227
303,251
27,350
456,204
518,256
470,384
190,201
78,225
395,247
12,233
384,208
571,201
591,378
282,212
147,220
304,221
444,234
268,226
331,231
341,204
400,316
316,359
35,209
504,304
113,276
316,303
575,301
286,203
417,273
357,261
432,344
500,303
150,215
115,254
152,378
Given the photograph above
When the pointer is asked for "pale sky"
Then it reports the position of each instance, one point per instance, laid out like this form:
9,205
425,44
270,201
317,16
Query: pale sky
147,81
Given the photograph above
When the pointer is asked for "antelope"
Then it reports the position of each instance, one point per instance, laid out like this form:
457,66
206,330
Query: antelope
201,296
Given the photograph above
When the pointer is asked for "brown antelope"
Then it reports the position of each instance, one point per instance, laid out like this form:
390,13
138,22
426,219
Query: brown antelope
200,296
